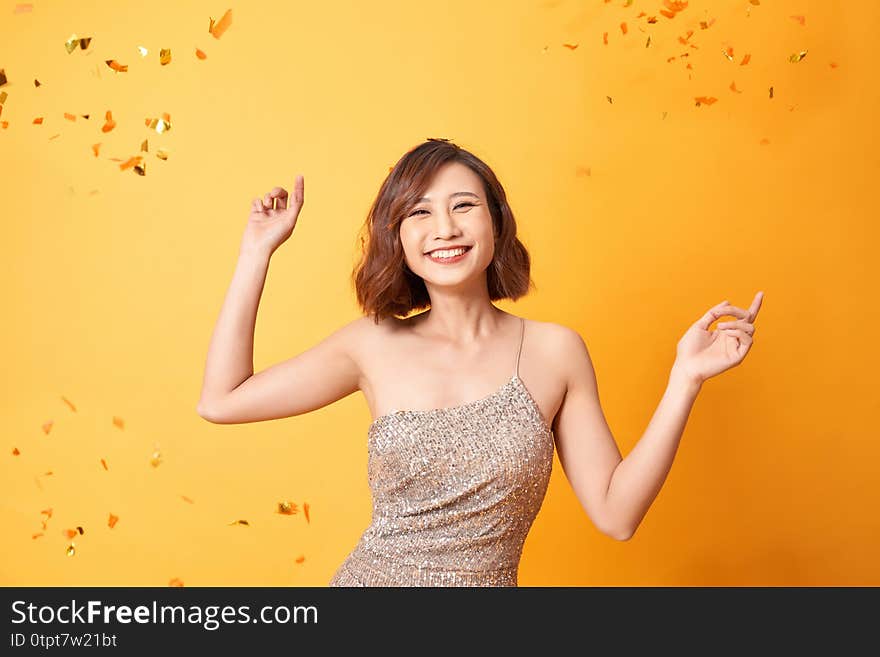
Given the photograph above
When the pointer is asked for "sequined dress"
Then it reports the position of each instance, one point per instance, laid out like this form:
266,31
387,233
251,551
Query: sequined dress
455,491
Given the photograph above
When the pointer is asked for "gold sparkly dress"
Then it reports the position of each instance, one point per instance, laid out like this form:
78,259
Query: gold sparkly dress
455,491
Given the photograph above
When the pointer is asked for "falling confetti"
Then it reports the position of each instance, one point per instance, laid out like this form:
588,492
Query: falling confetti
71,549
69,403
800,19
37,535
571,46
109,123
764,141
704,100
165,56
200,54
69,533
47,427
222,25
75,41
798,56
733,87
143,51
96,148
15,451
156,457
175,581
70,117
286,508
104,463
746,59
306,511
300,559
159,125
771,92
116,66
623,27
118,421
240,522
112,520
186,499
605,38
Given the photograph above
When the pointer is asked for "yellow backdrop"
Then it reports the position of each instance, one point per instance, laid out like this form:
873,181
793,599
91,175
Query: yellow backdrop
641,209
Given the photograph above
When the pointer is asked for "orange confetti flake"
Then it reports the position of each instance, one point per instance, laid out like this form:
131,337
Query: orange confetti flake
706,25
47,426
623,27
217,29
707,100
119,422
300,558
833,64
605,38
186,499
70,117
733,87
15,451
652,19
800,19
571,46
116,66
104,463
38,120
71,549
240,522
306,511
4,124
746,59
175,581
200,54
668,14
109,123
69,403
48,512
675,6
286,508
112,520
69,533
37,535
764,141
96,148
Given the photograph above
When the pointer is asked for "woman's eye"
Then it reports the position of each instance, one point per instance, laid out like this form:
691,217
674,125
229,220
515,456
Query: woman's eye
457,206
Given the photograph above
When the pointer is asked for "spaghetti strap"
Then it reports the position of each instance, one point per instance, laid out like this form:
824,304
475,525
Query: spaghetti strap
521,336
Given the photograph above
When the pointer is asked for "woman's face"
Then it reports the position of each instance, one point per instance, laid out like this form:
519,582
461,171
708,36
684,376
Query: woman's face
453,212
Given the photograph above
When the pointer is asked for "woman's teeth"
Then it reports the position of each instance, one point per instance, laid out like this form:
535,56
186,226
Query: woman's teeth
446,253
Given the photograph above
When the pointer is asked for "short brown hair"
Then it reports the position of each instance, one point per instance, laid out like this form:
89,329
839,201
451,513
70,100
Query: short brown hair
383,284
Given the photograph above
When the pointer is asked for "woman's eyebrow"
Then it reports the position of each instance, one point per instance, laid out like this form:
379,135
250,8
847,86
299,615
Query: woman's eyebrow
425,198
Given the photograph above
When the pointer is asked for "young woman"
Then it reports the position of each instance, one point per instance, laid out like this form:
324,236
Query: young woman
468,400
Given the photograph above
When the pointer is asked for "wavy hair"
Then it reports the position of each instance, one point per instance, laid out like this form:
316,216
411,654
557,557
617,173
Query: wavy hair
384,285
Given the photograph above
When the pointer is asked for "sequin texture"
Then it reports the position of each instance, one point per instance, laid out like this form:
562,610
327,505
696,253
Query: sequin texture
455,491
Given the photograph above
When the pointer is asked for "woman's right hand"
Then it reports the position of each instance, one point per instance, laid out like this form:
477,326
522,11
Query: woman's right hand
271,220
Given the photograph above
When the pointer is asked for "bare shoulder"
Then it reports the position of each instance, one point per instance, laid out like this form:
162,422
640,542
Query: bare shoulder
559,343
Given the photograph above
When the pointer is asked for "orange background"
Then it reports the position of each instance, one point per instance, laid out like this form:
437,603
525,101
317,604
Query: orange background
639,214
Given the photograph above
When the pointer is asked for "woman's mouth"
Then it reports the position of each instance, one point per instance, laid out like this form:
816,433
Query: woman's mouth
448,256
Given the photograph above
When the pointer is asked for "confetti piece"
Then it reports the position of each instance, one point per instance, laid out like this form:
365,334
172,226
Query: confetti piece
143,51
755,2
112,520
116,66
69,533
145,146
240,522
609,100
165,56
140,169
648,43
705,26
118,421
48,512
605,38
104,463
306,511
571,46
69,403
22,8
833,64
159,125
728,52
36,83
707,100
300,559
46,474
798,56
200,54
70,117
95,148
668,14
652,19
675,6
771,92
746,59
71,549
155,457
175,581
80,530
37,535
286,508
162,154
628,3
800,19
764,141
47,426
186,499
15,451
733,87
623,27
2,95
109,123
222,25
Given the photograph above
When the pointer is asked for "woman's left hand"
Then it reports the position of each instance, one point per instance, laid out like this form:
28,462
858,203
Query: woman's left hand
702,354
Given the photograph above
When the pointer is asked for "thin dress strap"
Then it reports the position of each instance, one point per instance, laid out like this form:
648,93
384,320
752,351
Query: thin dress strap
521,336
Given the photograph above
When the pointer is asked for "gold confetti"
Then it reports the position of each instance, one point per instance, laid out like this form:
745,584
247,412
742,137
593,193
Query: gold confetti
300,559
746,59
287,508
95,148
733,87
605,38
109,123
798,56
70,117
800,19
571,46
112,520
15,451
159,125
240,522
623,27
728,52
162,153
48,512
175,581
118,421
47,426
69,403
104,463
306,511
2,97
36,83
71,549
609,99
156,457
165,56
116,66
143,51
37,535
186,499
707,100
755,2
200,54
648,43
221,26
771,92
